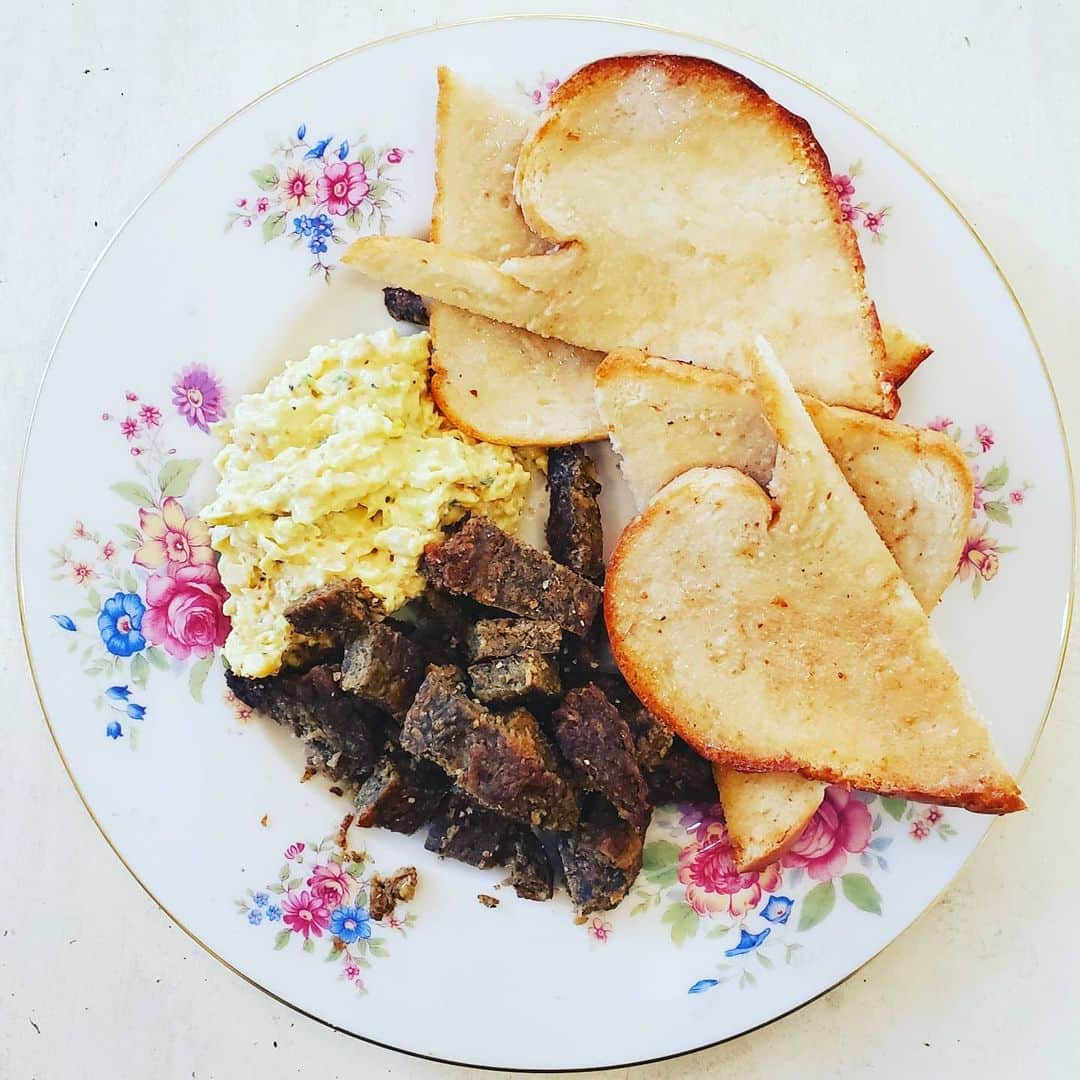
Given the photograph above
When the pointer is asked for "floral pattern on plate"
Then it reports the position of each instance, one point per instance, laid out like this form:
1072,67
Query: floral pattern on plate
321,896
859,213
689,876
539,92
321,192
151,594
995,502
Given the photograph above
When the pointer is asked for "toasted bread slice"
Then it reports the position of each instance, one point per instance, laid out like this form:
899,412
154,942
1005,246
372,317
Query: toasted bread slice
781,636
903,353
737,230
765,812
665,417
492,380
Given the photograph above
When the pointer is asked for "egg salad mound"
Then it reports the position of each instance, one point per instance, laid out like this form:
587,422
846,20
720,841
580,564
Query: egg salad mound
343,468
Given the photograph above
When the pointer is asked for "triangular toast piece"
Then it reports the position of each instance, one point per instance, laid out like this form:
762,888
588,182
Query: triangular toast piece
780,635
664,417
495,381
765,812
692,211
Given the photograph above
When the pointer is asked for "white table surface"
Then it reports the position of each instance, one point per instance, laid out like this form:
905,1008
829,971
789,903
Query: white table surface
99,97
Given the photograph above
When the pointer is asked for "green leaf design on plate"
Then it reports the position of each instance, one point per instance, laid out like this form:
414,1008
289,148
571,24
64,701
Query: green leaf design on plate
140,669
683,920
817,904
859,889
130,582
267,177
997,477
283,873
998,511
660,862
273,226
135,494
763,960
309,945
197,678
129,532
659,855
94,597
378,948
281,939
157,658
175,477
894,807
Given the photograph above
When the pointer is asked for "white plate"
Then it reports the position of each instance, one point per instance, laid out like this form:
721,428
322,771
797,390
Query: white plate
203,805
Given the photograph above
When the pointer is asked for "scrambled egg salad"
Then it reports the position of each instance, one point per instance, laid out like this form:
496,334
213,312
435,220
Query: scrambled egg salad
342,468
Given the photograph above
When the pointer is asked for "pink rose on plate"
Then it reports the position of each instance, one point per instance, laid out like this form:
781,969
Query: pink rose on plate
331,883
841,827
343,186
184,612
713,885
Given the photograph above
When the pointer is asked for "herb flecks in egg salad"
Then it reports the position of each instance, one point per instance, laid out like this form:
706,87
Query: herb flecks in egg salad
343,468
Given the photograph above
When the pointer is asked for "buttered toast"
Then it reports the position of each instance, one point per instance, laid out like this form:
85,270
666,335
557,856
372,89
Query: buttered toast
818,658
495,381
738,231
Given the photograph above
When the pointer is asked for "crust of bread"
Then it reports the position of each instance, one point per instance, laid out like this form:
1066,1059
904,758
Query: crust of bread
745,234
492,380
903,353
819,659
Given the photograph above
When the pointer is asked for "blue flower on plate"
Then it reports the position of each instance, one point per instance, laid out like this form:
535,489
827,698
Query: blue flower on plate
261,899
120,624
319,148
778,909
273,913
255,916
316,245
63,622
114,730
748,942
136,712
350,923
302,225
322,226
118,693
702,985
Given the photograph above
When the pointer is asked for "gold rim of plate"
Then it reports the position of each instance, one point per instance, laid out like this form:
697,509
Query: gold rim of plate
714,43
